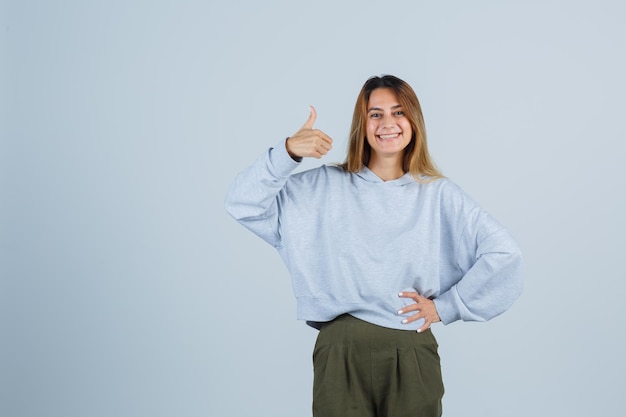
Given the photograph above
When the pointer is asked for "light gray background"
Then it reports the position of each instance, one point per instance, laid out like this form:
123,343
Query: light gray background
125,288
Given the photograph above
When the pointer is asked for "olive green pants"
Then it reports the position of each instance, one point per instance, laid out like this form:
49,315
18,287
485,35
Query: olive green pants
364,370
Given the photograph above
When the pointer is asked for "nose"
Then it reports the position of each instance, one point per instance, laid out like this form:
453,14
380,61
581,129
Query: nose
387,121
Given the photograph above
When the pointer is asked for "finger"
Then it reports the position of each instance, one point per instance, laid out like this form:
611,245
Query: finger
323,149
425,327
418,315
311,120
408,309
324,146
411,295
319,145
323,136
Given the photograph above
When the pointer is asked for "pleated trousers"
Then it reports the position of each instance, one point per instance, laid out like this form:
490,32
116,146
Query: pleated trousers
364,370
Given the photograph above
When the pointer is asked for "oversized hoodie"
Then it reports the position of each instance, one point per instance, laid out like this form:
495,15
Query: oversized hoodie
352,241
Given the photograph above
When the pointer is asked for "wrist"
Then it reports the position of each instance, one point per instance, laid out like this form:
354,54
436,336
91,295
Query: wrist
293,156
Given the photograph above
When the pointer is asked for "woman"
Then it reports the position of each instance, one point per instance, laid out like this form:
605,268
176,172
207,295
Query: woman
378,248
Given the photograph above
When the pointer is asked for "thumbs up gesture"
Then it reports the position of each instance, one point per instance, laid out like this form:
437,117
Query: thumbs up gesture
309,141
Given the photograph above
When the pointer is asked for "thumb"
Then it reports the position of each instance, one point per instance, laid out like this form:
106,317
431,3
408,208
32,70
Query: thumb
311,120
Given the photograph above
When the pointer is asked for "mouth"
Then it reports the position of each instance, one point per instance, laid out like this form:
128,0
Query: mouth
388,137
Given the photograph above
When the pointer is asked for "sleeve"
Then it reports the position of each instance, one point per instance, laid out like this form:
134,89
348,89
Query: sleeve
491,263
252,199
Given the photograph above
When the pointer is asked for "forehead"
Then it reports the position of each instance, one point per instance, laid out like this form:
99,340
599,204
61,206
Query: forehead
383,98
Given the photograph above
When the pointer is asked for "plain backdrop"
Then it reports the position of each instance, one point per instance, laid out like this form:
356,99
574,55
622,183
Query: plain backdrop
125,288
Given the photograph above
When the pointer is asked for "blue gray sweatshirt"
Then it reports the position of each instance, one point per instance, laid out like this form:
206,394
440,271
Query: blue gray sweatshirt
351,242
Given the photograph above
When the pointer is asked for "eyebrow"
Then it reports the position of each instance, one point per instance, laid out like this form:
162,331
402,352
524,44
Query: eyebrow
379,109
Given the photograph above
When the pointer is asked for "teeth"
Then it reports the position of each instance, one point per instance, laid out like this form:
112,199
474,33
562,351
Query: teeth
388,136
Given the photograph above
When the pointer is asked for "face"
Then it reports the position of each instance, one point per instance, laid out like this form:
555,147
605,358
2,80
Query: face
388,129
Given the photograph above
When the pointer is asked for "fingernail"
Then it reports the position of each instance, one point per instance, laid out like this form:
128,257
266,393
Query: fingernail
405,321
399,294
419,330
399,311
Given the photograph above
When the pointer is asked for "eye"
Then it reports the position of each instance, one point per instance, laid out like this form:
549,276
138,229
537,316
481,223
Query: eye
399,113
374,115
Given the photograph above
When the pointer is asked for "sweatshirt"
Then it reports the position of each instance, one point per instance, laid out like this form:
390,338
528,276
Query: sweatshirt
352,242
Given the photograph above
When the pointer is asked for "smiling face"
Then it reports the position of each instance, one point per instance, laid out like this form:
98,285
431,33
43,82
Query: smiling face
388,130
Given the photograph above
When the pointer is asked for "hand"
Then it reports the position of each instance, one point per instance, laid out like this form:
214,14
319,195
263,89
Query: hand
308,141
425,310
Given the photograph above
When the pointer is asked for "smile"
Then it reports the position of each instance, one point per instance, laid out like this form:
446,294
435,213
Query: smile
388,137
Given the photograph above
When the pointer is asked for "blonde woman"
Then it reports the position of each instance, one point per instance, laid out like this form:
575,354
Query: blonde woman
378,248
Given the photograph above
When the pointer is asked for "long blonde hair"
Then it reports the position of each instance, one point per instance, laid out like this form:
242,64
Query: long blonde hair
416,159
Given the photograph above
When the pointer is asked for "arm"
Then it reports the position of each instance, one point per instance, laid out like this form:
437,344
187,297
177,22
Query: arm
252,198
493,278
489,261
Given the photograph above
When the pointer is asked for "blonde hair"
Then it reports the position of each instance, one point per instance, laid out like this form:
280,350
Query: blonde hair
416,159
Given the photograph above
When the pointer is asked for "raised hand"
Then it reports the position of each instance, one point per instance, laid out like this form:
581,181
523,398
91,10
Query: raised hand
424,307
309,141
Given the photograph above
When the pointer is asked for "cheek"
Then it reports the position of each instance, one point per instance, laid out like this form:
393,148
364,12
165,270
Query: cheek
371,128
406,128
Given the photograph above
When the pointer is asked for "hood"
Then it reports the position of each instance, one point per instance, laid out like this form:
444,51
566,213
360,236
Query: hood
369,176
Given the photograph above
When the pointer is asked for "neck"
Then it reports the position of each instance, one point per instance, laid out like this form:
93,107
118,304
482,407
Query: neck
386,169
